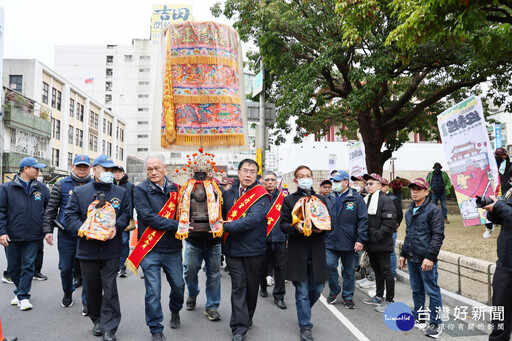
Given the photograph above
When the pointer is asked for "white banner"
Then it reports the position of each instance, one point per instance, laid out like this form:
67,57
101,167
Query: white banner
470,156
357,159
332,163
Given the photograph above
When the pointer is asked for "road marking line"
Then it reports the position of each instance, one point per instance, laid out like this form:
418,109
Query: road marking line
350,326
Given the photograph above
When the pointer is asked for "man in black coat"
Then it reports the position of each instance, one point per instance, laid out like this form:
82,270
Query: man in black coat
306,263
382,216
399,217
121,179
244,246
99,260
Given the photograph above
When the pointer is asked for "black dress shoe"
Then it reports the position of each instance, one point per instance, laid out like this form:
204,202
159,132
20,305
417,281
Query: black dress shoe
238,338
263,293
280,304
175,320
109,337
305,334
96,330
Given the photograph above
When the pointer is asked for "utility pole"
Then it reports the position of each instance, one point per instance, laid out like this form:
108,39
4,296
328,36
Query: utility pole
262,116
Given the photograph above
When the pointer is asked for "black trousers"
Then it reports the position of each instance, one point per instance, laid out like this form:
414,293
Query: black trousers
39,257
502,296
101,292
245,275
381,264
274,260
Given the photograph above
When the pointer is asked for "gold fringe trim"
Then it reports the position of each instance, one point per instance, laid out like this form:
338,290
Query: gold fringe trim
209,140
182,235
168,100
206,99
130,266
203,60
218,233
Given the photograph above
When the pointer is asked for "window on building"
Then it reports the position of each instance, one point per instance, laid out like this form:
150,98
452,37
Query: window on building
109,149
121,154
128,57
117,133
142,136
59,99
104,125
142,122
175,155
110,60
55,157
143,109
54,97
109,72
144,69
71,107
109,128
56,129
143,96
93,119
145,57
121,133
70,135
16,82
80,112
46,88
108,99
108,86
143,82
79,137
117,152
70,160
142,149
91,142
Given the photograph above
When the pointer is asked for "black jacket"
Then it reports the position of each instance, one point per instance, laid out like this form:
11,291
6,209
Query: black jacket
502,214
424,233
21,214
247,235
505,177
382,225
298,245
149,200
398,207
129,189
276,235
76,214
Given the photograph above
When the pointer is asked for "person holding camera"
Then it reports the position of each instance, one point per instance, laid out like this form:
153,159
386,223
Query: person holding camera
500,212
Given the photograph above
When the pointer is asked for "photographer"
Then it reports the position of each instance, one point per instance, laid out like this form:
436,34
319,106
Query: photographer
500,212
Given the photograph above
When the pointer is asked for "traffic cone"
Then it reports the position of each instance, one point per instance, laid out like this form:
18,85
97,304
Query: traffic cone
134,239
6,338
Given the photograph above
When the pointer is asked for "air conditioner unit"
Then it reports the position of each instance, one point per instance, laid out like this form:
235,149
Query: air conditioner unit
40,154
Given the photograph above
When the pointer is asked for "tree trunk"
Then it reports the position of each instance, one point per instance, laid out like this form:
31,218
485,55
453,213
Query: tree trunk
373,139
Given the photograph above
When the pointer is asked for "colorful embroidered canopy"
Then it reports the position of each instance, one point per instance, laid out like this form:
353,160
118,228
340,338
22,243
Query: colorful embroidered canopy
202,92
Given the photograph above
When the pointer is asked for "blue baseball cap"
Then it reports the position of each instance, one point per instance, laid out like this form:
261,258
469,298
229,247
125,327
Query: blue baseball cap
340,175
82,160
31,162
104,161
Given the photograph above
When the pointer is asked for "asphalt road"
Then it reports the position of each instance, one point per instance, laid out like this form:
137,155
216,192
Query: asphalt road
48,320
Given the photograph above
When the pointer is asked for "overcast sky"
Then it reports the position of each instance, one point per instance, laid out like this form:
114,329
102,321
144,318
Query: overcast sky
34,27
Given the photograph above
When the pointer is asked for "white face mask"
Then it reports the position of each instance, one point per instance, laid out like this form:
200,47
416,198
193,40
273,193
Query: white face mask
40,178
357,188
305,183
336,187
106,177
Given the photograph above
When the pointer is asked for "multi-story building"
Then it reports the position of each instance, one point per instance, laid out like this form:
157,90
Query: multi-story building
78,123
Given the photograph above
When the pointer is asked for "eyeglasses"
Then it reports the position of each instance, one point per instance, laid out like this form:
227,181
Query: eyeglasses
248,171
370,184
270,180
304,177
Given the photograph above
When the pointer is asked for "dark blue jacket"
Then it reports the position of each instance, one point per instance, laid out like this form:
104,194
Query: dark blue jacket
149,200
59,197
129,189
247,235
381,225
21,214
502,214
424,234
276,235
76,214
348,225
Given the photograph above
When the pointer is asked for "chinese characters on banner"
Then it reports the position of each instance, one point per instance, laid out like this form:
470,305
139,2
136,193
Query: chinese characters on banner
470,156
163,15
357,159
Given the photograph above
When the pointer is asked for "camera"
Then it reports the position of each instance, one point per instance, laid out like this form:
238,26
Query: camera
484,201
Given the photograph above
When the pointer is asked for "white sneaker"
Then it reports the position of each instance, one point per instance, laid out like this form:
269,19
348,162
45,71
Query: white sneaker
15,301
25,305
361,281
488,232
368,285
373,292
270,281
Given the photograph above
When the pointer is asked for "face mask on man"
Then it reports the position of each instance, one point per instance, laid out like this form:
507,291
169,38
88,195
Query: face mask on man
106,177
336,187
305,183
357,188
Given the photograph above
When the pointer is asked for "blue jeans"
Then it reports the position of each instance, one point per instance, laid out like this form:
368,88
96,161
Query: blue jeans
393,256
193,259
425,282
66,245
152,266
442,198
125,250
21,257
349,262
306,295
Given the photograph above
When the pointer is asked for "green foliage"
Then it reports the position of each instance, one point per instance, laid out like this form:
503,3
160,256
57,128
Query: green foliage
331,62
